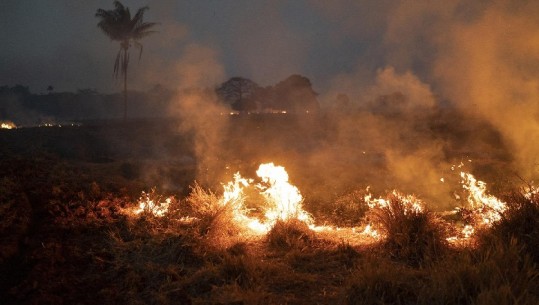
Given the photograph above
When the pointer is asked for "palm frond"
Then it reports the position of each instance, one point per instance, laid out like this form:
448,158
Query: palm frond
139,15
118,5
141,47
142,30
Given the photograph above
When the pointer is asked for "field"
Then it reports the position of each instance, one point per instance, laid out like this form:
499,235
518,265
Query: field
71,232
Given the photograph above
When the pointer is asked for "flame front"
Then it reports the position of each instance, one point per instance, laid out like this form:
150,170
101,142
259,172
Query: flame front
490,207
283,202
284,198
411,204
155,206
7,125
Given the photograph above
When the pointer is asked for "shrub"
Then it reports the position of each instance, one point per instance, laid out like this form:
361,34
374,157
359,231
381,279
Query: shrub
519,223
215,218
349,209
289,234
381,282
412,234
495,274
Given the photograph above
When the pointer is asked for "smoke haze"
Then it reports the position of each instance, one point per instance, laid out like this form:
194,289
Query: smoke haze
403,66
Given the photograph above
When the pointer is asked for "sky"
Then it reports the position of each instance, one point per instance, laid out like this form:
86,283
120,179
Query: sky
57,42
481,57
341,45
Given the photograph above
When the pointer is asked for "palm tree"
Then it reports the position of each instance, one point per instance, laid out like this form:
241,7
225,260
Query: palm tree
118,25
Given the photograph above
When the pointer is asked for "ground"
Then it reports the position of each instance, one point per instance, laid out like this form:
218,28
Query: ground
67,236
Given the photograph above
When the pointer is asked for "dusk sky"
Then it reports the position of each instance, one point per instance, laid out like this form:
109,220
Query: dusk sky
346,46
57,42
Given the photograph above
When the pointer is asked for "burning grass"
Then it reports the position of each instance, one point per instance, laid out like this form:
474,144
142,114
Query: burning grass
411,233
70,237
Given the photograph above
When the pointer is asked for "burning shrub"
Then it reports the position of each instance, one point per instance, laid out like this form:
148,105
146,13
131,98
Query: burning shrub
519,223
215,216
289,234
151,203
412,234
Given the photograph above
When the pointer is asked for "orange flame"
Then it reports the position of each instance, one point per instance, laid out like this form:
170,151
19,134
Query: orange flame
283,196
489,207
8,125
154,206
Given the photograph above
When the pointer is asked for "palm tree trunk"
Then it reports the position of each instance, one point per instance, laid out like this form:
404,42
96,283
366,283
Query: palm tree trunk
125,83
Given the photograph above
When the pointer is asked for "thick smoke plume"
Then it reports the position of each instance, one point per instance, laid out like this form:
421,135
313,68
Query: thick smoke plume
488,68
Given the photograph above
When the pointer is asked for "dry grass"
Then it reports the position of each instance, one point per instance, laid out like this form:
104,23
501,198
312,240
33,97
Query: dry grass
215,219
289,234
75,247
411,235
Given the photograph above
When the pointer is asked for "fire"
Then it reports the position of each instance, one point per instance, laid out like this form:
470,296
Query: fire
411,204
284,197
149,203
486,208
233,197
489,207
8,125
283,202
369,231
233,193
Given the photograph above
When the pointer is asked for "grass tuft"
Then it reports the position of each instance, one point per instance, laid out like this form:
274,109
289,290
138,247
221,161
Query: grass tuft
290,234
216,220
519,224
414,236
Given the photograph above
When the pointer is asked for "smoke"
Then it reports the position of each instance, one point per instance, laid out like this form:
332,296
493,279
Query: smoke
387,142
479,57
201,115
13,109
488,68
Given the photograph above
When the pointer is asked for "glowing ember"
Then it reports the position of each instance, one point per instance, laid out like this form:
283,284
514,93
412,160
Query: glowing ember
530,192
285,198
154,206
7,125
410,203
468,231
370,232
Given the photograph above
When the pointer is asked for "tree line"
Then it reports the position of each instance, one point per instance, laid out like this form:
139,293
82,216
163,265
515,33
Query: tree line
291,95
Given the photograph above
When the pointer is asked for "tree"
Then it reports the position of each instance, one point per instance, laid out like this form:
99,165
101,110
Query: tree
118,25
239,92
295,94
50,89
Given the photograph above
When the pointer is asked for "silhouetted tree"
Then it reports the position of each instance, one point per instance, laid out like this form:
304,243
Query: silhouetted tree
118,25
239,92
87,91
295,94
20,90
50,89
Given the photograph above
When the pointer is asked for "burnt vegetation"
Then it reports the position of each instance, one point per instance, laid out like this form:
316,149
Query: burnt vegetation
65,239
65,236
